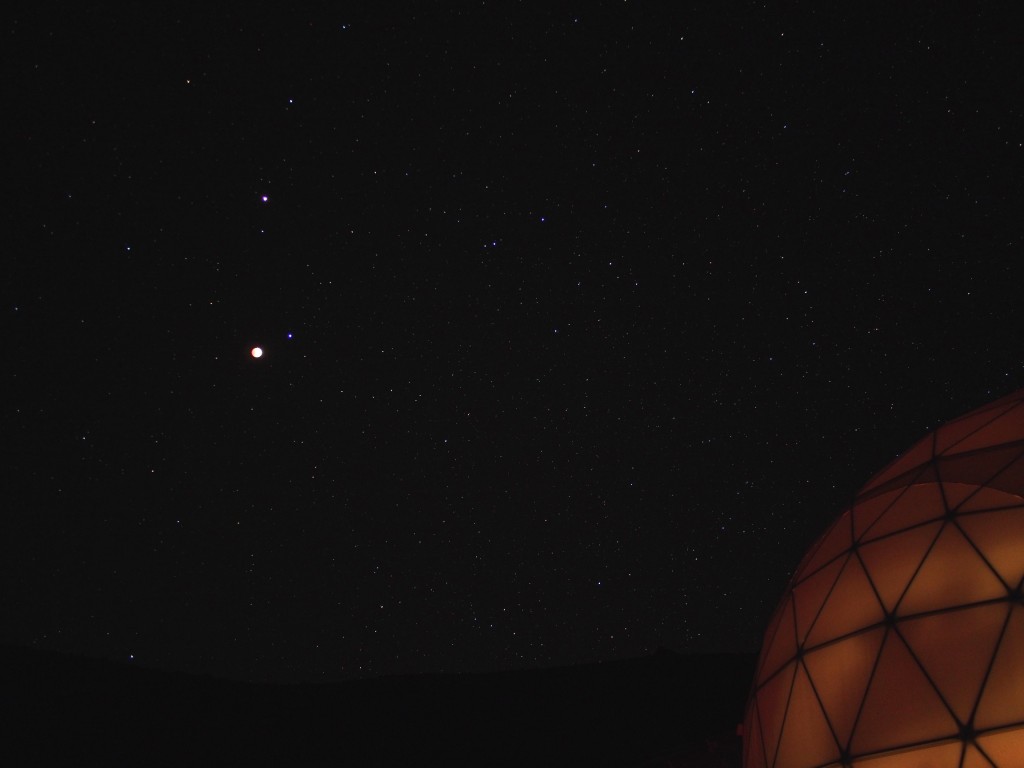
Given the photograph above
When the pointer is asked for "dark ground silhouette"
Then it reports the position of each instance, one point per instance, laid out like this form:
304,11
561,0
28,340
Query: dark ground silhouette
659,711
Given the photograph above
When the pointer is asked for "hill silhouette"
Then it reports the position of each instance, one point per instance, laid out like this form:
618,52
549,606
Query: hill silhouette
663,710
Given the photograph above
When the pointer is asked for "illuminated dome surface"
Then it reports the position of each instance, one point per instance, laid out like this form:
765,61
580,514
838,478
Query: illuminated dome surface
900,640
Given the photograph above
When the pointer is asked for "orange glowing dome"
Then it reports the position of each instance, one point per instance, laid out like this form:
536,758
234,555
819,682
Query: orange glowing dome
900,640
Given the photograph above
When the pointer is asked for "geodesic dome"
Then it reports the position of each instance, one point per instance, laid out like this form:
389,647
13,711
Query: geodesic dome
900,640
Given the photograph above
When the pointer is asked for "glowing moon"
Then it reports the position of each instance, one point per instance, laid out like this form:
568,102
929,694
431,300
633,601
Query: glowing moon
256,352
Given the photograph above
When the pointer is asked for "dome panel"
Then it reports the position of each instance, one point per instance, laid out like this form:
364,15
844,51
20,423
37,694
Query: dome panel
998,468
753,752
999,537
1011,478
955,648
974,759
892,562
956,494
901,706
960,429
810,594
923,473
867,511
1005,428
916,505
851,606
985,499
1005,750
953,573
1002,701
840,673
807,735
772,703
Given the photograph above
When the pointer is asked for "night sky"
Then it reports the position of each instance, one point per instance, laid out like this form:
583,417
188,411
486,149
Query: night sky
580,321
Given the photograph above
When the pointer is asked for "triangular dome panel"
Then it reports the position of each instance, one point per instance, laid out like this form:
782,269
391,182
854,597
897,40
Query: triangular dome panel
851,606
960,429
753,746
999,536
1005,749
957,494
952,574
772,704
901,706
866,512
917,505
986,499
1006,428
975,759
1000,467
892,562
955,648
840,673
1011,478
1002,701
807,737
810,594
920,475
